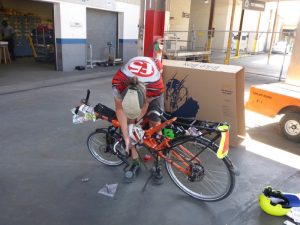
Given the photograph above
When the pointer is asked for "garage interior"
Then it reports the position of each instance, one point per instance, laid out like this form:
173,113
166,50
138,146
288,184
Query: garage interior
35,43
34,29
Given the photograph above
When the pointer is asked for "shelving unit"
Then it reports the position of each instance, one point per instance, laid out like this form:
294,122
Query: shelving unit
43,43
23,25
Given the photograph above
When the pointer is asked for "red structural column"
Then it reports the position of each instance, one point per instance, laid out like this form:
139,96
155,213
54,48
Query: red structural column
154,24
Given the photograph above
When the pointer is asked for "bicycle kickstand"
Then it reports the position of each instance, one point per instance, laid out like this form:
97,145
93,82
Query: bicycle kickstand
147,182
155,169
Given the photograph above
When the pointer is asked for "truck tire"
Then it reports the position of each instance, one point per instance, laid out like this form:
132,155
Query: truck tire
290,126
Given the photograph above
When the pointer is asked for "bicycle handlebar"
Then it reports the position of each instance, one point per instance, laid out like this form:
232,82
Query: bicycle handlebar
86,99
83,101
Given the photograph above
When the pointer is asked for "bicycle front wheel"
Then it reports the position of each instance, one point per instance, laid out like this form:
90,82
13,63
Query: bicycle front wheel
210,178
101,150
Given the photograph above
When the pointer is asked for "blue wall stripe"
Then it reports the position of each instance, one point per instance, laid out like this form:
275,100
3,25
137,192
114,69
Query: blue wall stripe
128,41
63,41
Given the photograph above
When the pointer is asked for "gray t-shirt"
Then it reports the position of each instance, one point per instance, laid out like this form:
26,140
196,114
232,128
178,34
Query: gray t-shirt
7,32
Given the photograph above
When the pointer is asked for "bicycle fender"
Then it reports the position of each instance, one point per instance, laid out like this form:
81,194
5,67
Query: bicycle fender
101,129
214,147
232,167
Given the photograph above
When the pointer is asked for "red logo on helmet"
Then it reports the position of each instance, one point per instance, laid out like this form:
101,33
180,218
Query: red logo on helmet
141,68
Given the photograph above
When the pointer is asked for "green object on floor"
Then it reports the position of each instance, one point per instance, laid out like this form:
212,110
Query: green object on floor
167,132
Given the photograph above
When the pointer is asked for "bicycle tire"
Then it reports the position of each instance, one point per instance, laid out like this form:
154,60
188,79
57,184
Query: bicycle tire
209,188
97,146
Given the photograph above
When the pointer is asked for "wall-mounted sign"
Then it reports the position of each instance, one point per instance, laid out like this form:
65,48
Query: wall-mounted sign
109,3
254,5
185,15
75,24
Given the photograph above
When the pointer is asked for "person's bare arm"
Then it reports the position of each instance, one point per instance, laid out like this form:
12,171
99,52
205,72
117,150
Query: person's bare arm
123,122
143,111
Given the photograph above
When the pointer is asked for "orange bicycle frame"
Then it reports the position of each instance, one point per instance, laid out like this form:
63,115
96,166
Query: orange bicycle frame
150,142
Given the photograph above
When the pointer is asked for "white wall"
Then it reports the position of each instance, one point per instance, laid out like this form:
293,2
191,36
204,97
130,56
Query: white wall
250,26
200,12
99,4
199,21
179,23
221,22
293,76
199,15
177,7
128,17
136,2
251,19
72,23
130,20
222,15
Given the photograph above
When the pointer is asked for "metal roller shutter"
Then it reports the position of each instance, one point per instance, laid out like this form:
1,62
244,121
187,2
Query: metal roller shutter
101,28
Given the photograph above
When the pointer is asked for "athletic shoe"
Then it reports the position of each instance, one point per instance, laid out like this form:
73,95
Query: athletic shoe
131,174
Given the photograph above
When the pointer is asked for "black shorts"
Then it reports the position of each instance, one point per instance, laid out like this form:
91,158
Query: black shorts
156,104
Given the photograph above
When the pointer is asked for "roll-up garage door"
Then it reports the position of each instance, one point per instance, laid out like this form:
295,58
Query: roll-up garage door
101,29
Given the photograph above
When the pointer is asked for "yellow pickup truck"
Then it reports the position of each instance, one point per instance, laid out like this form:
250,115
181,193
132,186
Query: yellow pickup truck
276,99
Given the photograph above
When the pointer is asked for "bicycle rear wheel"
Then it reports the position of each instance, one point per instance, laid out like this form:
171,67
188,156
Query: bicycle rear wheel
102,151
212,181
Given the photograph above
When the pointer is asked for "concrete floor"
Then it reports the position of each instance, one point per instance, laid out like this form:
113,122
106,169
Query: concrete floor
258,64
26,70
44,158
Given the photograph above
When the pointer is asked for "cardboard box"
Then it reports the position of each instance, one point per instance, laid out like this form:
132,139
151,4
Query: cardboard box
206,91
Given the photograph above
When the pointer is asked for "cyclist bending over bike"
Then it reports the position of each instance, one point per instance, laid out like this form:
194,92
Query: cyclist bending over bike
137,88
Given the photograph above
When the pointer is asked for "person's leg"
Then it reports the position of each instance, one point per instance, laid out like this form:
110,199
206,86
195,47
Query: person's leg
134,169
134,154
156,104
131,173
11,48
